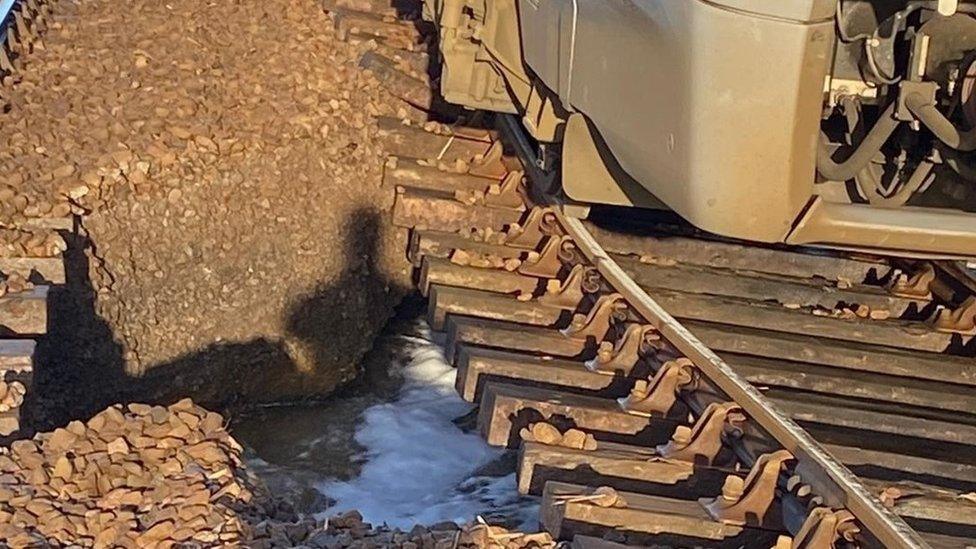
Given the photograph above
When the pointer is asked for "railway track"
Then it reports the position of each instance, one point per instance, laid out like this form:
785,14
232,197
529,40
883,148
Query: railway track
661,387
666,388
31,265
31,245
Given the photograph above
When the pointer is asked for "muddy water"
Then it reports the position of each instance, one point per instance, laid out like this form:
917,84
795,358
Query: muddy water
398,446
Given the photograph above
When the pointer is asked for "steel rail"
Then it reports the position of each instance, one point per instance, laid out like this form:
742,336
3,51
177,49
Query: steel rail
829,478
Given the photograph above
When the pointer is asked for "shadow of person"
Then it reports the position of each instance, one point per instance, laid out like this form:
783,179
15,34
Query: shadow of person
325,333
335,325
78,365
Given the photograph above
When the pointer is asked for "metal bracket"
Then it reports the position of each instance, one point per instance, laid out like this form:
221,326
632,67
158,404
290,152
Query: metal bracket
626,351
822,529
703,442
538,224
569,293
961,320
747,502
659,395
597,322
916,286
548,262
490,163
508,193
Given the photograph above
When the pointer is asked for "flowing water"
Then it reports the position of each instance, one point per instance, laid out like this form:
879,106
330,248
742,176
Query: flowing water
396,447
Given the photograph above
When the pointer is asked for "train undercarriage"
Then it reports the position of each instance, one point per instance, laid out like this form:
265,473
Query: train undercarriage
847,123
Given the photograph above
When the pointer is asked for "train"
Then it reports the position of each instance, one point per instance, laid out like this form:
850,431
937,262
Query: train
835,123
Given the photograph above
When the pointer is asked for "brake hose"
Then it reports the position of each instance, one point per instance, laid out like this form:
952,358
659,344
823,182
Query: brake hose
937,123
864,152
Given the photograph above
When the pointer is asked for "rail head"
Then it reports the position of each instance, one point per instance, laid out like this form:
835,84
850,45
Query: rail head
838,486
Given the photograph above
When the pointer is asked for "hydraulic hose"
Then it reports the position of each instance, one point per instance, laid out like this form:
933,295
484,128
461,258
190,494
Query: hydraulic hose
938,124
867,184
864,152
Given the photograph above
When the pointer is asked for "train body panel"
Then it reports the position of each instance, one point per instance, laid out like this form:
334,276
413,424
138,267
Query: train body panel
743,116
664,84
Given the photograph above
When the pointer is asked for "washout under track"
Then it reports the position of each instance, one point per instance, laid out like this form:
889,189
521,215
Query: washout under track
665,387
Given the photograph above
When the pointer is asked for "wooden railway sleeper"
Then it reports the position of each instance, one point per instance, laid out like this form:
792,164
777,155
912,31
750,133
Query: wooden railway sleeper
23,31
747,502
822,529
702,443
352,24
414,92
622,355
658,395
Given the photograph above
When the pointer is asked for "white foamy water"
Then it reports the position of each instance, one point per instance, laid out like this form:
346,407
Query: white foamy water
420,468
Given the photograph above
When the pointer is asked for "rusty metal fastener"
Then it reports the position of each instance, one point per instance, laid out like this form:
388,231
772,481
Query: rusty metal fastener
567,293
702,442
823,528
626,351
507,194
961,320
490,165
597,322
916,286
545,263
748,502
660,394
537,224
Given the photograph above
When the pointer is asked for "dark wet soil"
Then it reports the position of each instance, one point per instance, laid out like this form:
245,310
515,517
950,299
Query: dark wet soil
293,446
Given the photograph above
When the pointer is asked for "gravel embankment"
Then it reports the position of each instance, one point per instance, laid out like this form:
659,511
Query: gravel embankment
224,162
152,476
